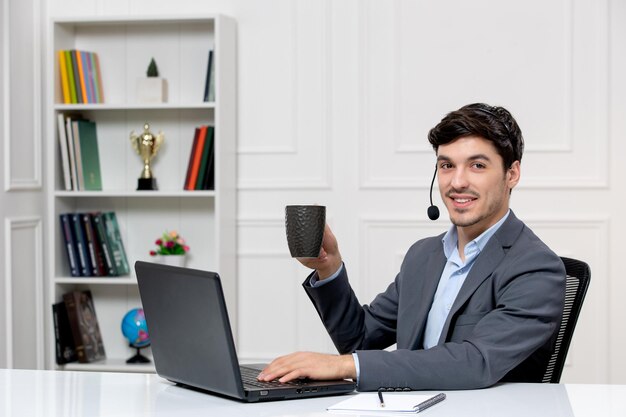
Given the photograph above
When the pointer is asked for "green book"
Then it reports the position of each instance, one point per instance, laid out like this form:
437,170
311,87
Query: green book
90,158
208,180
70,73
102,239
77,76
115,240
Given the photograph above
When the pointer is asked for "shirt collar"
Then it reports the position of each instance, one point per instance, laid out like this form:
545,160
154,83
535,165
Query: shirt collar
451,238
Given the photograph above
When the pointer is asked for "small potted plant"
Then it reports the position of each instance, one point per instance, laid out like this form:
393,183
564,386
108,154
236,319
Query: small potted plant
171,249
152,88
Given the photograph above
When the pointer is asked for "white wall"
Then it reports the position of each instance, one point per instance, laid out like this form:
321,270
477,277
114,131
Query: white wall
335,100
21,189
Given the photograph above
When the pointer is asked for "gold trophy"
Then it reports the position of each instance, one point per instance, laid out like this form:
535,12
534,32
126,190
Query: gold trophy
146,145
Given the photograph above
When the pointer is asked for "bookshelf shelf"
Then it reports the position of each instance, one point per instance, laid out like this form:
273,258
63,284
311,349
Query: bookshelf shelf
135,194
205,218
132,106
95,281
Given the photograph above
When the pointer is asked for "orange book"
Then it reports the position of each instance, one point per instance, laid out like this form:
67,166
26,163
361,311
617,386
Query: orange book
197,157
81,77
64,78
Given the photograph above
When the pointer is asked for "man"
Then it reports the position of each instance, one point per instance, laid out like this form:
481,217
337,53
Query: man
471,307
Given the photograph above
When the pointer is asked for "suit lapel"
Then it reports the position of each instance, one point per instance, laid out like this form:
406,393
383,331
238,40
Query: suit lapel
429,275
487,261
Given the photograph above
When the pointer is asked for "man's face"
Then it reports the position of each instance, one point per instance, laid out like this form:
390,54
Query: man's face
473,183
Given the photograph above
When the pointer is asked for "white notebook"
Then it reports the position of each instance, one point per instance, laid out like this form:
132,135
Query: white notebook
394,402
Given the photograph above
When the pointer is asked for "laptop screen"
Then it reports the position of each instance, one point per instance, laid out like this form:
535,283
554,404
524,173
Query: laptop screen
189,328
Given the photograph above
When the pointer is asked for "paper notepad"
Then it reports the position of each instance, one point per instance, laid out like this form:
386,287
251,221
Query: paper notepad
394,402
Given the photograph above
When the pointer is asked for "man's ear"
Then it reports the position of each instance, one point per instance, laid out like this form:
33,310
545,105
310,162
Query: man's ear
513,174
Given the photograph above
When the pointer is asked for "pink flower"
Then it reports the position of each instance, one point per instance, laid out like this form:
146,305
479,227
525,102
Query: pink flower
169,244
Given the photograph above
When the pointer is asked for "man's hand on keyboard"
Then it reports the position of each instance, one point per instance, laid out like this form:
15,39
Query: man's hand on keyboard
309,365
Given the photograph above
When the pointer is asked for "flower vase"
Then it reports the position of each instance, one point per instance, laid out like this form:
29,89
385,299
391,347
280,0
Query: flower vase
174,260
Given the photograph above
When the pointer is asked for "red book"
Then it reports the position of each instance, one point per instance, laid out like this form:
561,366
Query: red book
191,155
197,156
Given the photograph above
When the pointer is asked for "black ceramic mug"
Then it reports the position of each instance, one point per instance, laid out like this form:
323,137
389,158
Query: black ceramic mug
305,230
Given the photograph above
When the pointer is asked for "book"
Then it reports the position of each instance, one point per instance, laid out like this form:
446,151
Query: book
208,179
84,69
103,243
82,76
207,82
117,246
89,77
64,347
83,321
72,153
204,160
211,185
89,155
64,152
212,81
70,79
401,403
98,78
84,260
77,85
78,160
93,76
63,76
95,253
194,147
70,244
197,158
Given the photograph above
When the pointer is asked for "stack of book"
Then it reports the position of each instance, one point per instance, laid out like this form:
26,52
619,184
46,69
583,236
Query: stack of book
81,81
93,244
201,166
76,330
80,160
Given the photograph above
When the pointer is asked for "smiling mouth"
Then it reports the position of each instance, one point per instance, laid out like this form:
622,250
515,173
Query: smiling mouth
462,202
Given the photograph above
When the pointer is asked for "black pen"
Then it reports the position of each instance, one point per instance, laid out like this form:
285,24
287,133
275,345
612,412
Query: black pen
380,398
429,402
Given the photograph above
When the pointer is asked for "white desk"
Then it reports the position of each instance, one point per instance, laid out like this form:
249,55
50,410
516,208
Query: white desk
68,394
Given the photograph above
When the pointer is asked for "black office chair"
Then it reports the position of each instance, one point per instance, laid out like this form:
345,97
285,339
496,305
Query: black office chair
577,281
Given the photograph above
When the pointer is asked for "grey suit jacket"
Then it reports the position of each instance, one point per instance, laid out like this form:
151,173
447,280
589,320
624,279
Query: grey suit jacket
501,326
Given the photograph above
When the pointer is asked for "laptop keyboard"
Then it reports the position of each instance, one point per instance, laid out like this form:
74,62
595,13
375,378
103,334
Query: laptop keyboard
249,375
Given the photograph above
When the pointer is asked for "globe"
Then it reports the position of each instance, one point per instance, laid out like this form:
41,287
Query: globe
135,329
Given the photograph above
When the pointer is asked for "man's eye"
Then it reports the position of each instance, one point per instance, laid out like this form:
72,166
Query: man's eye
478,165
445,165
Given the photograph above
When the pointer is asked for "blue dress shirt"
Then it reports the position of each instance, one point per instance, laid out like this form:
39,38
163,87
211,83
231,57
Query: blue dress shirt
452,278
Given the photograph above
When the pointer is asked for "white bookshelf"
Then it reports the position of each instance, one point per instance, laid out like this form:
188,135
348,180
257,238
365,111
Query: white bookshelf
206,219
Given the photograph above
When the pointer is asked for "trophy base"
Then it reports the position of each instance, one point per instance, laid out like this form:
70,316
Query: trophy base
147,184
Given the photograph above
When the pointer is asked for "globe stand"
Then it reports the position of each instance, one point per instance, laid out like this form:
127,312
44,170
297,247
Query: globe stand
138,357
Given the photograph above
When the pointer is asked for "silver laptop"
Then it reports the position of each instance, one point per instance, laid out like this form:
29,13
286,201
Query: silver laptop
192,342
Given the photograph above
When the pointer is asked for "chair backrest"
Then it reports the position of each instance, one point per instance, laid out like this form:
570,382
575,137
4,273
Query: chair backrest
578,275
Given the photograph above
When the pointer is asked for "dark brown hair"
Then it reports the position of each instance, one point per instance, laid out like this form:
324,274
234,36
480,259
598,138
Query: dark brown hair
496,124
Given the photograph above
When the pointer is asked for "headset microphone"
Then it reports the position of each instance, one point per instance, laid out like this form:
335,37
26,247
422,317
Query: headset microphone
433,210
